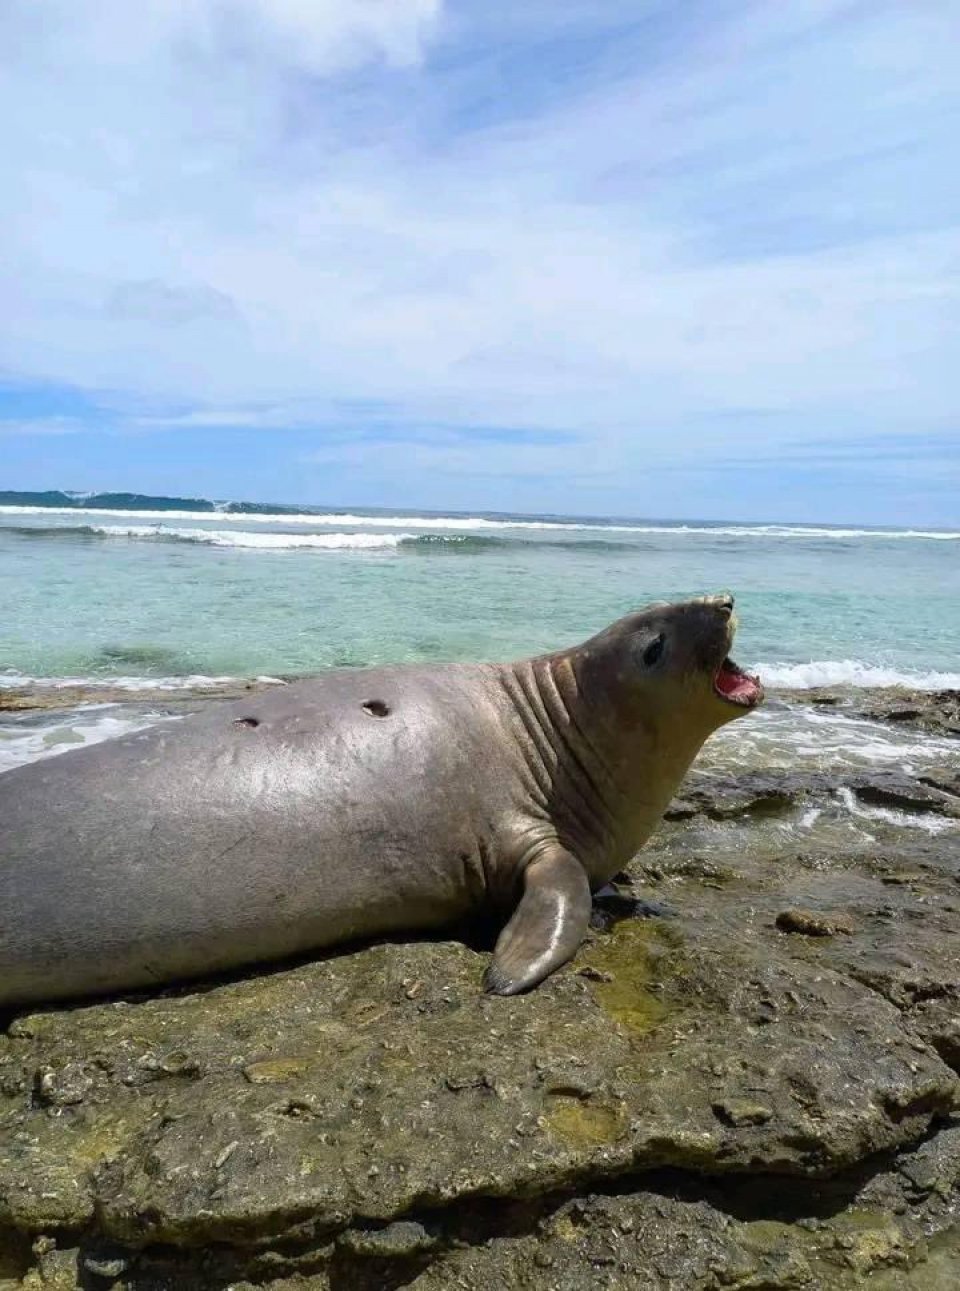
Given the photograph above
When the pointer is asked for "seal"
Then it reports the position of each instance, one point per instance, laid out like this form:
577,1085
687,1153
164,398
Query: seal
357,804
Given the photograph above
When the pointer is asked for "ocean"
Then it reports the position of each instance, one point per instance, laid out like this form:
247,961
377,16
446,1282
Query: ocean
152,593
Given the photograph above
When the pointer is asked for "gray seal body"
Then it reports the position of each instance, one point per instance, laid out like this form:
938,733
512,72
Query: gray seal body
356,804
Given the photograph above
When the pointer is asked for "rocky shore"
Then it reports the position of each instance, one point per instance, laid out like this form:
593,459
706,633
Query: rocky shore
39,697
748,1078
936,711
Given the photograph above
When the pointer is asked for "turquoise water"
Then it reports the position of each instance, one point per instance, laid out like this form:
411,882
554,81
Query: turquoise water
138,593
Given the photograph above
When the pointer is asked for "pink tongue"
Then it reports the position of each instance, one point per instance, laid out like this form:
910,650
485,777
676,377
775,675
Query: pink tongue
735,685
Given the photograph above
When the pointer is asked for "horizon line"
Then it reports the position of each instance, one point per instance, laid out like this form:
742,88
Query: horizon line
76,498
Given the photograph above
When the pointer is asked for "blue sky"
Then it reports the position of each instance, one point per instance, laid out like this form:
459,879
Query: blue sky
636,258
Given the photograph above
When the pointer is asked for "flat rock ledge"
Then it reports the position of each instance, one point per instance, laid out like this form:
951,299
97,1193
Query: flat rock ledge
371,1119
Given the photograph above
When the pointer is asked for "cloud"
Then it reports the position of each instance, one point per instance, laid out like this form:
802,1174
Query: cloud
41,426
623,223
154,301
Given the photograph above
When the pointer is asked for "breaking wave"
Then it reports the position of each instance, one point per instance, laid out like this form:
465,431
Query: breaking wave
262,541
851,672
235,512
76,730
240,538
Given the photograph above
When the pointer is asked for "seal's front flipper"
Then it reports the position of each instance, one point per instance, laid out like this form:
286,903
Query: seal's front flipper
547,926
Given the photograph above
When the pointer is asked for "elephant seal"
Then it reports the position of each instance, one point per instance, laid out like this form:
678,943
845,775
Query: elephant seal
359,803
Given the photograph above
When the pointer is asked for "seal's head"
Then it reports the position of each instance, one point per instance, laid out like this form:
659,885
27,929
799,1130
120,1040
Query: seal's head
670,664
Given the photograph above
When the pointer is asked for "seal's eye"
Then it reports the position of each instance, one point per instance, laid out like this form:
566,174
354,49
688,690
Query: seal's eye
653,652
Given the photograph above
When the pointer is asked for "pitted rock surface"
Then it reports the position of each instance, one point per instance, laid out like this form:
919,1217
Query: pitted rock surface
397,1085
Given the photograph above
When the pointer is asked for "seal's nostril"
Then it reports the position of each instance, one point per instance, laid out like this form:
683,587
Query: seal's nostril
724,603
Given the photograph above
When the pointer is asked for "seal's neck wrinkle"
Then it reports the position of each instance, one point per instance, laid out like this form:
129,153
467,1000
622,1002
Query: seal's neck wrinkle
567,758
584,745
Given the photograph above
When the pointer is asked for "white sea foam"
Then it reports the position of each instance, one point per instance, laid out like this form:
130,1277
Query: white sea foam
20,744
261,541
850,672
11,679
925,821
801,738
480,523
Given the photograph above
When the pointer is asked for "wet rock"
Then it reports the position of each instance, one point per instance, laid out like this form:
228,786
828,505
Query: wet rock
904,794
710,873
725,797
813,924
611,904
945,781
934,711
759,794
38,697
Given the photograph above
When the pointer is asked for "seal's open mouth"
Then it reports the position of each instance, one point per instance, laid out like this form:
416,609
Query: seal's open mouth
737,687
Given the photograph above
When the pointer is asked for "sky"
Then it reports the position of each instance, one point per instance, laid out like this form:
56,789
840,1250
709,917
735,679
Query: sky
636,258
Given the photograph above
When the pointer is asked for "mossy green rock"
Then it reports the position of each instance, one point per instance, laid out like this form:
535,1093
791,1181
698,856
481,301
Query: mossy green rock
378,1084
